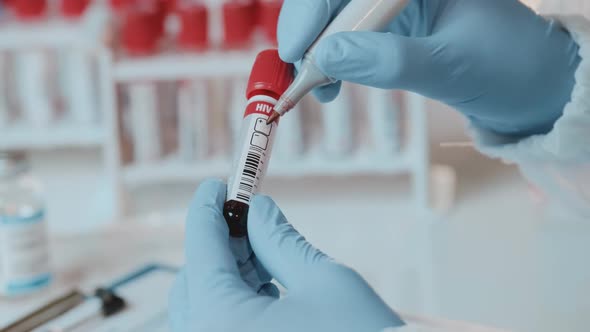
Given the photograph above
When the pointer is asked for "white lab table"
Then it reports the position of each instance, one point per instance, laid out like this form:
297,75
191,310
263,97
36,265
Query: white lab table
96,259
91,260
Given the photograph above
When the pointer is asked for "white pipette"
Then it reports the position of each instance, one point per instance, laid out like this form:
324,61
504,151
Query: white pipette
358,15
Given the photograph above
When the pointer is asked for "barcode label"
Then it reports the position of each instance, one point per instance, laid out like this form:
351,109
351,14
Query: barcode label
250,167
249,176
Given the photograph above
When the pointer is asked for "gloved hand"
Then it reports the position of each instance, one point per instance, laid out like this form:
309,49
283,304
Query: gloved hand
218,290
506,68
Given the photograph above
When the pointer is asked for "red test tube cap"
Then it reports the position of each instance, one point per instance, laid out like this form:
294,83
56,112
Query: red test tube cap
29,9
160,15
73,8
268,17
239,20
119,5
6,3
140,32
194,30
171,5
270,75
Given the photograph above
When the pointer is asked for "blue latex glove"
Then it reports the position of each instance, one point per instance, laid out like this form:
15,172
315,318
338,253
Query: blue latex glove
506,68
214,293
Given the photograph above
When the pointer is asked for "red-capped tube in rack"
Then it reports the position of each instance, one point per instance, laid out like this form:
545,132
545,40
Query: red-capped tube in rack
7,3
268,18
194,26
73,9
140,31
171,5
269,79
27,10
161,13
239,21
119,6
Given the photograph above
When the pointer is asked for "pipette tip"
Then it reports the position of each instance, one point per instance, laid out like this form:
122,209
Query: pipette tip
273,117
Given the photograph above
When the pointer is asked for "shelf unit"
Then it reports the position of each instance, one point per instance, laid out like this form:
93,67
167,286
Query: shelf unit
56,35
50,34
413,159
173,170
171,67
24,137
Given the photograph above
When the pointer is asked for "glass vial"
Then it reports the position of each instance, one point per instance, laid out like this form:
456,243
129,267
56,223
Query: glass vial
24,251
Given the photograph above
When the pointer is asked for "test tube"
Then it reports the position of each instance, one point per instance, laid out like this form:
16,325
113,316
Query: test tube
140,36
268,18
269,78
119,6
239,19
383,114
193,119
78,72
32,69
27,10
337,125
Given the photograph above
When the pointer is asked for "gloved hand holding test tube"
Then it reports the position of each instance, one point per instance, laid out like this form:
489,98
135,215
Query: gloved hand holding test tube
520,78
358,15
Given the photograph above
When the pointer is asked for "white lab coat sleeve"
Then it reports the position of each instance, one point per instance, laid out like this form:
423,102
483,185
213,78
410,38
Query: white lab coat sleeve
558,162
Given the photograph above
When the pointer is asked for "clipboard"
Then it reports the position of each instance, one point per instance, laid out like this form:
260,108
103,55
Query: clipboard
136,301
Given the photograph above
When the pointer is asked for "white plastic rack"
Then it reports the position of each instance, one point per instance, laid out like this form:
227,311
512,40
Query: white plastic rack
106,134
412,158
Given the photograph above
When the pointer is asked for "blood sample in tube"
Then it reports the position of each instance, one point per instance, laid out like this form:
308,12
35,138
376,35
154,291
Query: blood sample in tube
269,78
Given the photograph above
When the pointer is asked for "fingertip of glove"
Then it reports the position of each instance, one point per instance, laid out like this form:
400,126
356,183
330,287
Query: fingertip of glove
263,212
330,52
211,192
205,211
211,185
261,204
288,54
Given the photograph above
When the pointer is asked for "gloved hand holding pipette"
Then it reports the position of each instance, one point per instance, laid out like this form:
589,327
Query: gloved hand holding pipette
504,67
507,69
214,293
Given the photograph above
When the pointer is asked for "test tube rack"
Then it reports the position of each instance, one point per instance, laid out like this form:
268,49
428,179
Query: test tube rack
53,36
413,159
105,134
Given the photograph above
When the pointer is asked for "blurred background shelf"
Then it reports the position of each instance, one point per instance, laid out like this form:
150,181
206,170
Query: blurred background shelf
17,35
174,170
23,137
355,208
182,66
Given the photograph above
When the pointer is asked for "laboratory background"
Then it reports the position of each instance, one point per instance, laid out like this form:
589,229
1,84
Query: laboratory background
113,111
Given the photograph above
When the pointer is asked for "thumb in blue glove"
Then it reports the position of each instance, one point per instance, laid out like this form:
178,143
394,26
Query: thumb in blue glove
503,66
213,294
